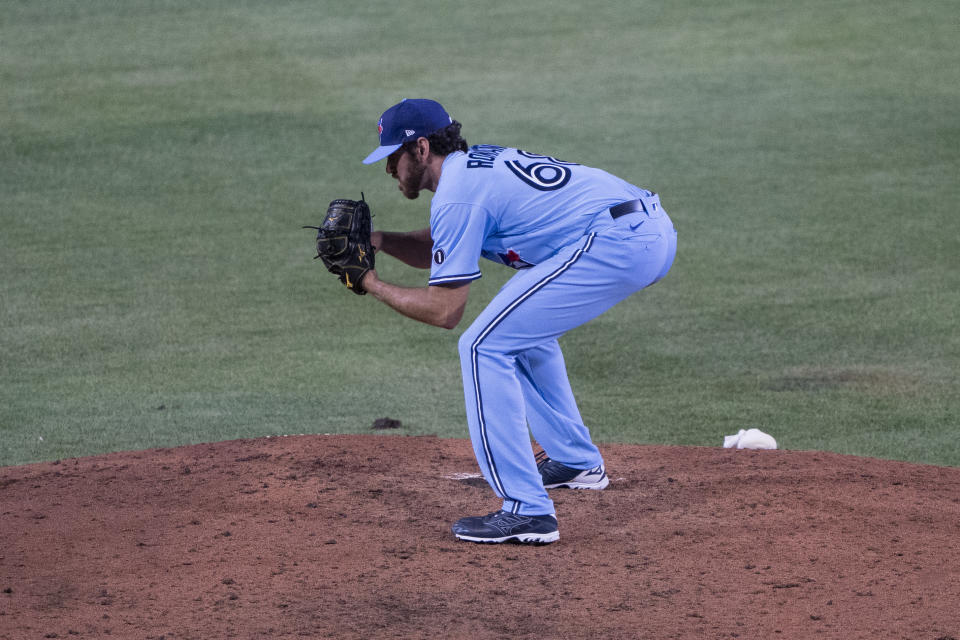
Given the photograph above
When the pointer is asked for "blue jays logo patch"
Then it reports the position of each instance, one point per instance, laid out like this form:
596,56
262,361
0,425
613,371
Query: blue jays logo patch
512,259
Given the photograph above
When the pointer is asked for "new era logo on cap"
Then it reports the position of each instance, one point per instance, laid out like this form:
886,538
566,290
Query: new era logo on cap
407,120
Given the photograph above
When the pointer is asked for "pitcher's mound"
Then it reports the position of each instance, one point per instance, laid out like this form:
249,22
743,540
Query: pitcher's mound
349,537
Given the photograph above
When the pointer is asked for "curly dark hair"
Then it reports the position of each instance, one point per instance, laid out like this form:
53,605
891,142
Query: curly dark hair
442,142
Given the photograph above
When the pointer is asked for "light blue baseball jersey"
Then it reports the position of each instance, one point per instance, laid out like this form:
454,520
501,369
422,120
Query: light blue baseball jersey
515,208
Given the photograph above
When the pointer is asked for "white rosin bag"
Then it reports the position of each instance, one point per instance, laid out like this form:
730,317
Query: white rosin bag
750,439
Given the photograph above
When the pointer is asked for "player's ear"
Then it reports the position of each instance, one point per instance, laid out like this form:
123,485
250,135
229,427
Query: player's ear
423,149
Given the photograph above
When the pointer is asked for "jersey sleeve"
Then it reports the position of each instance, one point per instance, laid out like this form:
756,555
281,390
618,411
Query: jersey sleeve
458,232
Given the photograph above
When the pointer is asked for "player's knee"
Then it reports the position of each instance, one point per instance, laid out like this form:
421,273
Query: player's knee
479,341
466,342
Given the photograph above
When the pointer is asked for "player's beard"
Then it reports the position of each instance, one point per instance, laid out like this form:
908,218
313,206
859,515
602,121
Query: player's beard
410,184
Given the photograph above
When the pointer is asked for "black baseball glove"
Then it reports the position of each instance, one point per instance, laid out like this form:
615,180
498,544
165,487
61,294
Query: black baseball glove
343,241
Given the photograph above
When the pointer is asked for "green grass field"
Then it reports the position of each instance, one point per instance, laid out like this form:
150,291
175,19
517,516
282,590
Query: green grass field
157,160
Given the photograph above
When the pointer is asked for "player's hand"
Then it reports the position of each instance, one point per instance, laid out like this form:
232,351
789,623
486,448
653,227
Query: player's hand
376,239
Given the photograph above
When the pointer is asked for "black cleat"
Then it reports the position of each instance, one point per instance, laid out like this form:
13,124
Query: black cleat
556,475
501,526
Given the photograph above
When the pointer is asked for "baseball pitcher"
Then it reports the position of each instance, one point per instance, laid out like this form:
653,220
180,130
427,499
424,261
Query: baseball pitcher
581,241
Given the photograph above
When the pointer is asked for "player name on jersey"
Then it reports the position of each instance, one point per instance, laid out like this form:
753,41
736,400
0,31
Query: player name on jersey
483,155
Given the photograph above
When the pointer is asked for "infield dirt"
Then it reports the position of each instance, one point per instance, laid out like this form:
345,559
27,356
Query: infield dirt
349,537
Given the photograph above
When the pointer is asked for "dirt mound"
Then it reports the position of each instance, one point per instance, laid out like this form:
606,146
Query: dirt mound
349,537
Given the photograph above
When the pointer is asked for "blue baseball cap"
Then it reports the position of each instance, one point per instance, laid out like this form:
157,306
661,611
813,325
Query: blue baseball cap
408,120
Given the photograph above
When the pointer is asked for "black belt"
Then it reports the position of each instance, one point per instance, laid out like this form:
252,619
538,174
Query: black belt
624,208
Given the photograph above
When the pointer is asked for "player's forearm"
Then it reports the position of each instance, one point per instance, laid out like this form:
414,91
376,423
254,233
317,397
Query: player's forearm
411,247
437,306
